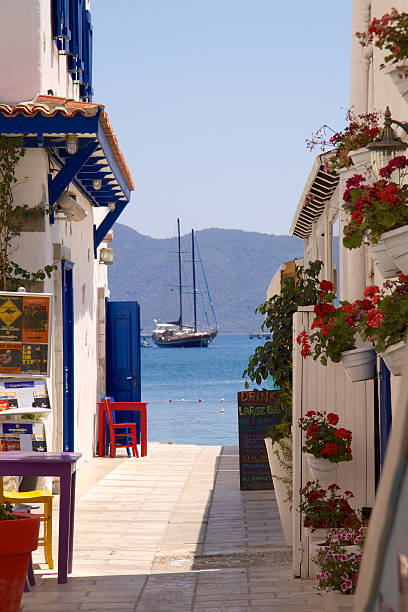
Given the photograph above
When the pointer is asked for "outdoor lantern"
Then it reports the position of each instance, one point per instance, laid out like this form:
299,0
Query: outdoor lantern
386,146
97,184
106,256
71,143
112,206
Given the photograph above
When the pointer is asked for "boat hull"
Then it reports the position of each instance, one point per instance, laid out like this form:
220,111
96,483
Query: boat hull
199,340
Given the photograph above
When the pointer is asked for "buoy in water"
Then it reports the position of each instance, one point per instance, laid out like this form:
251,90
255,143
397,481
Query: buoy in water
182,399
170,400
221,409
199,399
222,399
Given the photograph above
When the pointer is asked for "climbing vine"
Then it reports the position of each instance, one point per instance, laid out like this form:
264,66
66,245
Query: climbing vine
12,275
275,356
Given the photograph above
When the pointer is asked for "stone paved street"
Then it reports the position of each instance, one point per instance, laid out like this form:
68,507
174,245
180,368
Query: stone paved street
173,532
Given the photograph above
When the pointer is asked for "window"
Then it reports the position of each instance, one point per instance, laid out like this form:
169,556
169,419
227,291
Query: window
72,32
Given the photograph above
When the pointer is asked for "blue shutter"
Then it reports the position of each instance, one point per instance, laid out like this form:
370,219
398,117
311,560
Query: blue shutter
86,89
75,62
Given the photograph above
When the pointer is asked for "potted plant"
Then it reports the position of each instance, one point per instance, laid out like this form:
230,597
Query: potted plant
338,564
18,538
335,335
360,131
390,32
278,444
386,322
379,212
325,508
325,444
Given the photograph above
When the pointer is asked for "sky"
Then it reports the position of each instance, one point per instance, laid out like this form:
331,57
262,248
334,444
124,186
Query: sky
212,100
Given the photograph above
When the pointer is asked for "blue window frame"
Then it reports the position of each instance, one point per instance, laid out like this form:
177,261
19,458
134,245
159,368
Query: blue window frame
73,35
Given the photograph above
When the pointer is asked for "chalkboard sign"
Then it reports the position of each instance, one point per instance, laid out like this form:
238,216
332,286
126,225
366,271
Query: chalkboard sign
257,410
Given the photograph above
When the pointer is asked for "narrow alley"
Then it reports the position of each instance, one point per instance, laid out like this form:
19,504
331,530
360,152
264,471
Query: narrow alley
173,532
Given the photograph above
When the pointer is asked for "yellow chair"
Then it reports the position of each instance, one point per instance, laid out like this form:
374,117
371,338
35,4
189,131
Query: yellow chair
35,497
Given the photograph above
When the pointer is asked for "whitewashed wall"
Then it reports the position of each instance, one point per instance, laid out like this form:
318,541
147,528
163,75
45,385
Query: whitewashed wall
327,389
29,60
74,241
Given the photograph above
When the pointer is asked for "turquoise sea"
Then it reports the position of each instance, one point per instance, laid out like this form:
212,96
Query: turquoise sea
185,376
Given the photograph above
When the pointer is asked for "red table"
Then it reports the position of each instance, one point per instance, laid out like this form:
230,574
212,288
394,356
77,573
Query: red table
139,407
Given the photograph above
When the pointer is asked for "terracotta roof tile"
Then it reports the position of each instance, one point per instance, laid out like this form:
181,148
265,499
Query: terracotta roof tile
49,106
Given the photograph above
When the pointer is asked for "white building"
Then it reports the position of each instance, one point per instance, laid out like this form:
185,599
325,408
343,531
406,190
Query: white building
363,407
74,167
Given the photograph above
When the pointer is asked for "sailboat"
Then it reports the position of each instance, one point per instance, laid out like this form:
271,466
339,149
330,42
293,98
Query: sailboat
176,333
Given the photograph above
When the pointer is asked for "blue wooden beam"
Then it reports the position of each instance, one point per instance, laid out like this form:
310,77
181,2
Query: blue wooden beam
68,172
107,223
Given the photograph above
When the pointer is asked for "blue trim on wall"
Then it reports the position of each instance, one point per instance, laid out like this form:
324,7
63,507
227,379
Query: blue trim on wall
107,150
107,223
385,408
58,124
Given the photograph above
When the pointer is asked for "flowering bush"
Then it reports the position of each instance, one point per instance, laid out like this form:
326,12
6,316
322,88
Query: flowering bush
376,208
386,321
334,332
390,32
326,508
339,566
323,439
361,130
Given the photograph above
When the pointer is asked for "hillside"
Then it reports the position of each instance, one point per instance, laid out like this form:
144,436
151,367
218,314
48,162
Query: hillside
239,266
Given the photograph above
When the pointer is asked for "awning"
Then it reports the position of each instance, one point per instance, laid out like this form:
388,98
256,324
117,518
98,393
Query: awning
318,190
98,168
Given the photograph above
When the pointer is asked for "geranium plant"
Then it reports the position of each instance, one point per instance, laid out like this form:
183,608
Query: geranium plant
386,322
332,331
377,208
339,566
361,130
6,512
390,32
323,439
326,508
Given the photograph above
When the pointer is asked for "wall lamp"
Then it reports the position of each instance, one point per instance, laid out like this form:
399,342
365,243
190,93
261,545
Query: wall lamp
71,143
106,256
387,145
112,206
97,184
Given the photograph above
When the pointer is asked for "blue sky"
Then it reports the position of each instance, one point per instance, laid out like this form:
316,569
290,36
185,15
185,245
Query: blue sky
211,101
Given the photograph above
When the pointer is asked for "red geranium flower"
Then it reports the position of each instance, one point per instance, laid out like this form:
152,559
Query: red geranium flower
330,448
375,317
333,418
310,413
370,292
341,433
326,285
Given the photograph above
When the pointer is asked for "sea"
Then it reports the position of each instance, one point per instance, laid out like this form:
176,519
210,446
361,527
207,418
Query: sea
192,392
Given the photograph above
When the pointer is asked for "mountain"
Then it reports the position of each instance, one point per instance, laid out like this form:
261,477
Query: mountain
239,266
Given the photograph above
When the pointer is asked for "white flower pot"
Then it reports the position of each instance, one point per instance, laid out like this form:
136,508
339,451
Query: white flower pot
398,77
321,469
396,242
394,357
384,261
278,472
359,363
334,601
360,156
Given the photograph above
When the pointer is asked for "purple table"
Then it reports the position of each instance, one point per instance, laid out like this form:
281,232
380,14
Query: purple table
21,463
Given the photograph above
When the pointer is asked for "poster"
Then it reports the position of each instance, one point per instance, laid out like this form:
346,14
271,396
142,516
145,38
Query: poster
23,395
27,436
24,334
257,410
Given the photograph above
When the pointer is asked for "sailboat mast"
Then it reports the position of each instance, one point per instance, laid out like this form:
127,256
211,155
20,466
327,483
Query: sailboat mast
194,281
179,266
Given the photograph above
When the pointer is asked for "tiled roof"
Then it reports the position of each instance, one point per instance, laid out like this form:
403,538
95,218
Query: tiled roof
49,106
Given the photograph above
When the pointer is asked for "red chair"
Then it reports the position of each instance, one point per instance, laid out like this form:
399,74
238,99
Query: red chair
129,433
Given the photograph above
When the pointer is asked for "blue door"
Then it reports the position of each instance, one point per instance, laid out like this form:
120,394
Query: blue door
68,354
123,356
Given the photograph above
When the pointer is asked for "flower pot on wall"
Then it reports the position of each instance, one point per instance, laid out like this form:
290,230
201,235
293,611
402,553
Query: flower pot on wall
359,363
321,469
394,357
383,260
399,77
18,538
278,473
334,601
396,242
